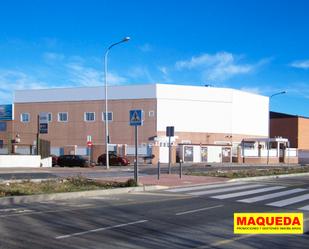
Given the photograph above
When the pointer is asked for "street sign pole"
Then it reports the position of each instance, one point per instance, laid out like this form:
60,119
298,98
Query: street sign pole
170,130
135,161
136,119
38,136
169,154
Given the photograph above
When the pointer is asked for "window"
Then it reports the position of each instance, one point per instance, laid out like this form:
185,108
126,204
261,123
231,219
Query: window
89,116
109,116
25,117
50,117
62,117
151,113
2,126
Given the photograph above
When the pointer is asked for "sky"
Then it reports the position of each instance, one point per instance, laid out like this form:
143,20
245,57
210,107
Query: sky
252,45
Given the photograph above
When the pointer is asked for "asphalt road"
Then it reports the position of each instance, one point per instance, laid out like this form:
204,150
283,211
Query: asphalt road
125,171
176,218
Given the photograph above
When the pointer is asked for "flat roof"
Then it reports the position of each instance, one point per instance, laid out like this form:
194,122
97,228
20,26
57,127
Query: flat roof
146,91
277,115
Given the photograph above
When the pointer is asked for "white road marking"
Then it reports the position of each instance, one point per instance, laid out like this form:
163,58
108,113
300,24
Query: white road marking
102,198
100,229
16,210
198,210
175,190
289,201
305,208
249,192
271,196
221,190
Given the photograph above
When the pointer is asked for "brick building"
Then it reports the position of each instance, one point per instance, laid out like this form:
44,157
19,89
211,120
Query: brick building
293,127
201,115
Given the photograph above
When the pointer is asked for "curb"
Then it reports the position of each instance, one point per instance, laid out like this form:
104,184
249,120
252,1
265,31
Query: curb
267,177
72,195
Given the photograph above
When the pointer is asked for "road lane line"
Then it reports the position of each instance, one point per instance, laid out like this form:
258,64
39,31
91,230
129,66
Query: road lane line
198,210
289,201
100,229
221,190
249,192
271,196
95,207
175,190
226,241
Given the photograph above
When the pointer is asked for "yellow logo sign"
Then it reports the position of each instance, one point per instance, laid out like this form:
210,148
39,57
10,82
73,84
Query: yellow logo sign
268,223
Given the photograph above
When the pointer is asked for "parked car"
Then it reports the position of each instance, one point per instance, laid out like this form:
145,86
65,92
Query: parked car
54,160
72,160
113,160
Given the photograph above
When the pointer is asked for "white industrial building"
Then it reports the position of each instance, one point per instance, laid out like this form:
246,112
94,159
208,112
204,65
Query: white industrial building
205,116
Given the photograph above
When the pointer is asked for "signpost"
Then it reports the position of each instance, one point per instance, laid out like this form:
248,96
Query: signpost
42,129
43,123
89,149
136,119
169,133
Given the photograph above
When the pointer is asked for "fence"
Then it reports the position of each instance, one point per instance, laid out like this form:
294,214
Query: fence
26,149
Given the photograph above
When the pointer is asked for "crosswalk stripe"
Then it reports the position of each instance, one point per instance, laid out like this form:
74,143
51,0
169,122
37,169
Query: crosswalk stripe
289,201
250,192
305,208
271,196
175,190
214,191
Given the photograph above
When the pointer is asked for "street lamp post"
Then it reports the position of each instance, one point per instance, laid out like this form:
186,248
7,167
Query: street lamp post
106,109
268,142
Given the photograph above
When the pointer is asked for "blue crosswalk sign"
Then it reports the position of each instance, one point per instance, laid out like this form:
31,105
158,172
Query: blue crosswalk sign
136,118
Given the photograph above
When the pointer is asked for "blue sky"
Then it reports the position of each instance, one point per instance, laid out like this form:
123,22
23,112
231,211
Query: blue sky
258,46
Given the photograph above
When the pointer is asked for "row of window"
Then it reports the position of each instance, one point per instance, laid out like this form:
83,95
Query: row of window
64,116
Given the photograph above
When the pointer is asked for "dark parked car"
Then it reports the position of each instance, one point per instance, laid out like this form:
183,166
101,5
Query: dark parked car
72,160
54,160
113,160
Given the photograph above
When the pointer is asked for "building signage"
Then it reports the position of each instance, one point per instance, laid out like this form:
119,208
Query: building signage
170,131
136,117
6,112
43,128
43,123
268,223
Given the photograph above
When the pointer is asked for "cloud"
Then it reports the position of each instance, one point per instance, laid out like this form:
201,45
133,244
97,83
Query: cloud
115,79
219,66
145,48
87,76
303,64
15,80
298,89
50,57
255,90
140,73
165,73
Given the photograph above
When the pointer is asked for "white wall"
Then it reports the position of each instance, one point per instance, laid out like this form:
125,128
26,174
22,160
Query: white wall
21,161
250,113
164,154
207,109
214,154
197,154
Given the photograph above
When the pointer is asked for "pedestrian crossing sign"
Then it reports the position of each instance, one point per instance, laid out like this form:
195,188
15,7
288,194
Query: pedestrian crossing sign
136,117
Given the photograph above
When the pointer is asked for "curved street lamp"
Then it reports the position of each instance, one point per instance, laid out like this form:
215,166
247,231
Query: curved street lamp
106,109
268,143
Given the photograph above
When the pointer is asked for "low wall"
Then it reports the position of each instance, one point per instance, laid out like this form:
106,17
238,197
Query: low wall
23,161
303,156
260,160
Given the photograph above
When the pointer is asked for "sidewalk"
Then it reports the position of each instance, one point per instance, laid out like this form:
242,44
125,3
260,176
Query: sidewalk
171,180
